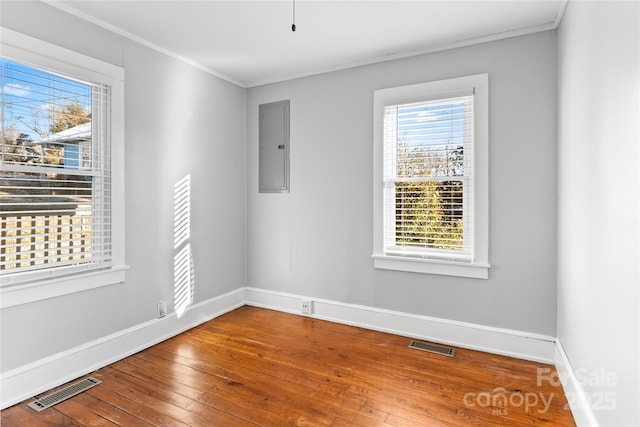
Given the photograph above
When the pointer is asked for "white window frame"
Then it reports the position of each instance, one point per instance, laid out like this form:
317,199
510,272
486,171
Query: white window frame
478,265
23,288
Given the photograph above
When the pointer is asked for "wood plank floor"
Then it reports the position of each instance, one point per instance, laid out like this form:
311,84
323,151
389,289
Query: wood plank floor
257,367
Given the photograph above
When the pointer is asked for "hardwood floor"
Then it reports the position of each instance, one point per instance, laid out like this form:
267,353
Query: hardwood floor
261,367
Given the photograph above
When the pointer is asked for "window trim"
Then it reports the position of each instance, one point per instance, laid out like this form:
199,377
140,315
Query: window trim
479,266
24,288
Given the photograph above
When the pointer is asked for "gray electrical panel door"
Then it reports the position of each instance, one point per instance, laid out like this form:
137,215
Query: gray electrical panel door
274,147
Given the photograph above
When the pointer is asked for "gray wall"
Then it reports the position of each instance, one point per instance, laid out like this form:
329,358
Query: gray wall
599,190
179,121
317,240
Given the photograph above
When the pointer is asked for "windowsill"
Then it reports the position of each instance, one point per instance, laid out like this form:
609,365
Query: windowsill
431,266
25,293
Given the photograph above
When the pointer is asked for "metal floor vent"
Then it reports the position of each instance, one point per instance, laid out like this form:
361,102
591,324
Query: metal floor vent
433,348
64,394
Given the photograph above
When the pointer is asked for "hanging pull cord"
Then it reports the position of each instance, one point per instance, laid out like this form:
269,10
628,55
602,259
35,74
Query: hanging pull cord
293,25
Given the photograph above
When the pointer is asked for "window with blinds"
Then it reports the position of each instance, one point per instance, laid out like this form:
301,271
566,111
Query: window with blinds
428,178
55,172
431,177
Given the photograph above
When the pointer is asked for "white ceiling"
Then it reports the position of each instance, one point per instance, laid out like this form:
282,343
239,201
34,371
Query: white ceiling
251,42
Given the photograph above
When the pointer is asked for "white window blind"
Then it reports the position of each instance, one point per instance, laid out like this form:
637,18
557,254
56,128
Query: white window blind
428,178
55,172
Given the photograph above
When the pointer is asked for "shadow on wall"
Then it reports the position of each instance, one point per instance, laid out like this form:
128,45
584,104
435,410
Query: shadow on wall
183,271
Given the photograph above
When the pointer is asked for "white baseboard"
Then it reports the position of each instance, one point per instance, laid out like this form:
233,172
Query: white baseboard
28,380
578,402
523,345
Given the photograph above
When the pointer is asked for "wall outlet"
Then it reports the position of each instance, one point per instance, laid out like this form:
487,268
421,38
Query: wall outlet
306,306
162,309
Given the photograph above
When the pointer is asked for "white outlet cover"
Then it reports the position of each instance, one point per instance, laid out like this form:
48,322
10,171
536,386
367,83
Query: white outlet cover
307,307
162,309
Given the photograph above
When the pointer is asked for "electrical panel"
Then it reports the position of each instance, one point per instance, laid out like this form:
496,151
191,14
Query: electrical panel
274,147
